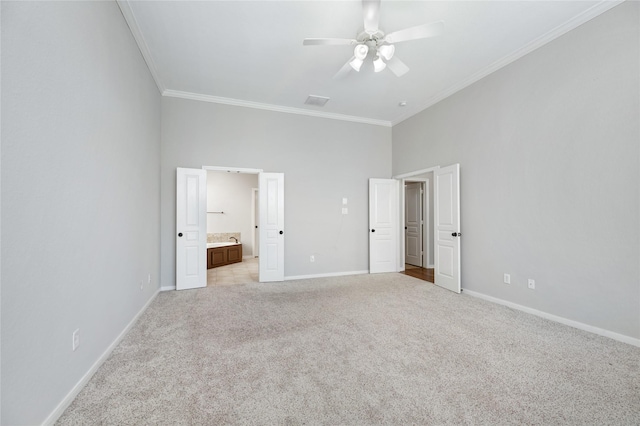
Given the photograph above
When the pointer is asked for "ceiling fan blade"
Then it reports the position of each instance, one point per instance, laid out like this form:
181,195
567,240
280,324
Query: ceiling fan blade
327,41
431,29
371,13
346,69
397,67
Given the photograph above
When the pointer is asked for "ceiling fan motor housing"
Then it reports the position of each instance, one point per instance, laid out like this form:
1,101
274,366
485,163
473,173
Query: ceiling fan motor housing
376,38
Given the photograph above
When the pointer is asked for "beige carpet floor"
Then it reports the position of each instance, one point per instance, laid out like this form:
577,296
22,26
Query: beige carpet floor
358,350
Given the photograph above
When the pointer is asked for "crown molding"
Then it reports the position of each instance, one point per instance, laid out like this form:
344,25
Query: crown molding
269,107
576,21
560,30
130,18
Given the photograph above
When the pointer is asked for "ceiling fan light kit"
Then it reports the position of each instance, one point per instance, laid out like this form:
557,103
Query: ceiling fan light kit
386,51
378,64
372,37
361,51
356,64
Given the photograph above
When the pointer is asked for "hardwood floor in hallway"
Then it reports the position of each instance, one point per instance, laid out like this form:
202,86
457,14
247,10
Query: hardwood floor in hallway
425,274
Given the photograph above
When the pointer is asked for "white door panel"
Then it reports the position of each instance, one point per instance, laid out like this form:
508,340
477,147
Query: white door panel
447,222
383,223
413,224
271,227
191,227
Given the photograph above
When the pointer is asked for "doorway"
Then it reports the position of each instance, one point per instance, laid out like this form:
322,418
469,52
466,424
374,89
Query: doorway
418,227
192,253
446,224
269,221
230,217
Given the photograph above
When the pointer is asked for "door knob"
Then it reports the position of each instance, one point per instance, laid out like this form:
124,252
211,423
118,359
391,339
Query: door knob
180,234
281,232
373,230
455,234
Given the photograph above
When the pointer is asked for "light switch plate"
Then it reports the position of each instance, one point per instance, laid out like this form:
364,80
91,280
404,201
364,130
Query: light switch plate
75,339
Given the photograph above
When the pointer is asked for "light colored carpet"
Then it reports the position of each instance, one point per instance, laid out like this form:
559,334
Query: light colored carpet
368,349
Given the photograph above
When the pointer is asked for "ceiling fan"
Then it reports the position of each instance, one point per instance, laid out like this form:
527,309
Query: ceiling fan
373,40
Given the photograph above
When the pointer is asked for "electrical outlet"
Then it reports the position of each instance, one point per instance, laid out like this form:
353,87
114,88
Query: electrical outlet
507,279
76,339
345,210
312,258
532,284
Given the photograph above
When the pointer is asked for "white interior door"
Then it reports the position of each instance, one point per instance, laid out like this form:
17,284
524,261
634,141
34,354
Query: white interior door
413,223
255,202
383,224
447,224
191,228
271,226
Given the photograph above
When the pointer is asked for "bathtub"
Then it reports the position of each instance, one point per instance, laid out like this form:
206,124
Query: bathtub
214,245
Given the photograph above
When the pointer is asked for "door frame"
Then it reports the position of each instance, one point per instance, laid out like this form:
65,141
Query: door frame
401,240
232,169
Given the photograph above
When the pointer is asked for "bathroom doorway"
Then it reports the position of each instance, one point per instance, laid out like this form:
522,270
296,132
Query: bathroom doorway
192,254
230,227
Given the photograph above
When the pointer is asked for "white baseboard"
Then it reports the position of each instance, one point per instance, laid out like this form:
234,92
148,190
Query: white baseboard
332,274
571,323
248,257
67,400
168,288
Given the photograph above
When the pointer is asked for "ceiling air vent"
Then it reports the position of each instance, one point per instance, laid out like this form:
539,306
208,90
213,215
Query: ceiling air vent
316,100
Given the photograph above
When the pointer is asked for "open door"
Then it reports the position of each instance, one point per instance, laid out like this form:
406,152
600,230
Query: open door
255,219
447,227
413,223
383,224
191,229
271,226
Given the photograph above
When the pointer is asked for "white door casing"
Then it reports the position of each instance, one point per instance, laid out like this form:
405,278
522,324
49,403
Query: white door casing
427,225
383,224
271,226
191,228
413,223
447,227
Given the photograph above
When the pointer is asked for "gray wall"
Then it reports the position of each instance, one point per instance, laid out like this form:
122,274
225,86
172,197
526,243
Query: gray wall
323,161
80,189
549,154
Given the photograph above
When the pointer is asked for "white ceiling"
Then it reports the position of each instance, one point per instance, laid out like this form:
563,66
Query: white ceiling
250,52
